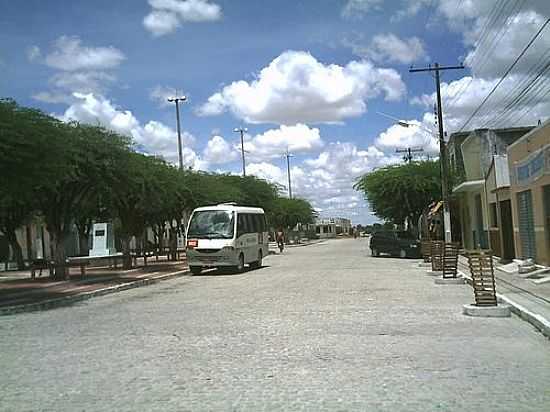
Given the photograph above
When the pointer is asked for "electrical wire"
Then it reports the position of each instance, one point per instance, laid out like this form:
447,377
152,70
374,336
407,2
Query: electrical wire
505,74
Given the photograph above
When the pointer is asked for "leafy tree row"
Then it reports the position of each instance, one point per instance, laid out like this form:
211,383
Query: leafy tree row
75,174
399,193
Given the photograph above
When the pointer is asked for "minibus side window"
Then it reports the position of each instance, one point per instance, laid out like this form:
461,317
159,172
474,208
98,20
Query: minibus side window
251,223
241,224
260,225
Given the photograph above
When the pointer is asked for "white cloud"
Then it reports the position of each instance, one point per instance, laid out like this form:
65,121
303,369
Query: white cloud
154,137
80,68
83,82
34,53
52,97
267,171
167,15
462,97
161,94
327,180
219,151
355,9
410,8
297,139
69,54
390,48
295,87
161,22
417,135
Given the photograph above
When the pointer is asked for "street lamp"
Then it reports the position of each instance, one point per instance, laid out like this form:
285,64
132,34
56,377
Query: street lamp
444,177
242,132
177,100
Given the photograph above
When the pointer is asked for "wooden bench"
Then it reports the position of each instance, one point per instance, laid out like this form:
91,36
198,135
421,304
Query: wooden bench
40,265
141,253
72,264
51,266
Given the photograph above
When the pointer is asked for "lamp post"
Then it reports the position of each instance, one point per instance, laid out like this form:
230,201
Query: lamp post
288,156
177,100
242,132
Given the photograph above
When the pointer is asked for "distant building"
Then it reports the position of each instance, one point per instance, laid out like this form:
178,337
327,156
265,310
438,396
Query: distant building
331,227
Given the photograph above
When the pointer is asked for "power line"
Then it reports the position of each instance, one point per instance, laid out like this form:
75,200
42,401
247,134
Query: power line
505,74
442,148
520,95
485,58
408,157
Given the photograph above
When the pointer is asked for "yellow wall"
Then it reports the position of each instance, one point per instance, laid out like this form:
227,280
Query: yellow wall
519,151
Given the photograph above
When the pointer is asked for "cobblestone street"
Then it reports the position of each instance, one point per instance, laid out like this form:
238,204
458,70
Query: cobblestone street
322,327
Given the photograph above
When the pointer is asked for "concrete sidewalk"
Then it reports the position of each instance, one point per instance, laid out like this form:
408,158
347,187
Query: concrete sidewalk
528,300
20,293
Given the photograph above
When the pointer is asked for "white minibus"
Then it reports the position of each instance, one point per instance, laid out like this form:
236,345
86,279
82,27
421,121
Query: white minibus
226,236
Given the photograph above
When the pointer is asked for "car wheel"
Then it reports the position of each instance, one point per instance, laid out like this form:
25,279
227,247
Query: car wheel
195,270
402,253
375,252
240,266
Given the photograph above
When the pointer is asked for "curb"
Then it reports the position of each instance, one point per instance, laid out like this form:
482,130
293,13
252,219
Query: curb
539,322
69,300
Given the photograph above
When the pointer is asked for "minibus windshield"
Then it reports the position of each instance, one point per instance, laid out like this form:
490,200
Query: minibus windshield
212,224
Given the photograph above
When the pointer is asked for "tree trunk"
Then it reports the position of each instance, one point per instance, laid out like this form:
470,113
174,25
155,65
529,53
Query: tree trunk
173,243
16,247
126,256
60,256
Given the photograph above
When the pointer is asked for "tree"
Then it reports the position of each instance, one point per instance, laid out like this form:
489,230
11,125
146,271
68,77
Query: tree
28,153
399,193
89,162
287,213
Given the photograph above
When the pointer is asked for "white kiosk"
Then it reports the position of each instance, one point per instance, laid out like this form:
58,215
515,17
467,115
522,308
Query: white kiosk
103,240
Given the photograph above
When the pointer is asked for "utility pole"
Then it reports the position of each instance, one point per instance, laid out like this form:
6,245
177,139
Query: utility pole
442,149
408,157
177,100
242,132
288,156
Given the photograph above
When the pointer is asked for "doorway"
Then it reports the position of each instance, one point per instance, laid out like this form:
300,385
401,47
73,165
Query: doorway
507,230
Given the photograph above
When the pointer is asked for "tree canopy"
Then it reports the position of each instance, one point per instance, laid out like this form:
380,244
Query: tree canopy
73,174
399,193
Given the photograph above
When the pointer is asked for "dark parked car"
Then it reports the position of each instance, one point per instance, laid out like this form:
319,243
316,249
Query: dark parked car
402,244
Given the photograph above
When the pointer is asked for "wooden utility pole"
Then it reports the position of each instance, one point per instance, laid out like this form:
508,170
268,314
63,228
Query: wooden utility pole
442,149
408,157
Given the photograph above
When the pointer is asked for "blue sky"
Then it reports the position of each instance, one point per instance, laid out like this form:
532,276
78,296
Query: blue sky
308,75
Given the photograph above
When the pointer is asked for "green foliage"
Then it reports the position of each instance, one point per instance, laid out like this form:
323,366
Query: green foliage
287,213
71,173
400,192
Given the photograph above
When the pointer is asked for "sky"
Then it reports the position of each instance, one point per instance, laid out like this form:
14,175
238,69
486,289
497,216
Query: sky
326,80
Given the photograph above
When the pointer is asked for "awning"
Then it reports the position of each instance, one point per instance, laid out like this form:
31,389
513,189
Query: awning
469,186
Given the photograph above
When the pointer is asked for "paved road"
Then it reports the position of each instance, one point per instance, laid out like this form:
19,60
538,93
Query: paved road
323,327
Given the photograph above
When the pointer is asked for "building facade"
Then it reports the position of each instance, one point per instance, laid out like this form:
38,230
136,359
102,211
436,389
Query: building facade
529,165
471,157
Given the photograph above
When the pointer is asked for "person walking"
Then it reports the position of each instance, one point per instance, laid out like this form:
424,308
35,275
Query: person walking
280,238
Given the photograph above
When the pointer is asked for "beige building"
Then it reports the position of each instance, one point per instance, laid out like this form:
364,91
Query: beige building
498,200
471,156
529,164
